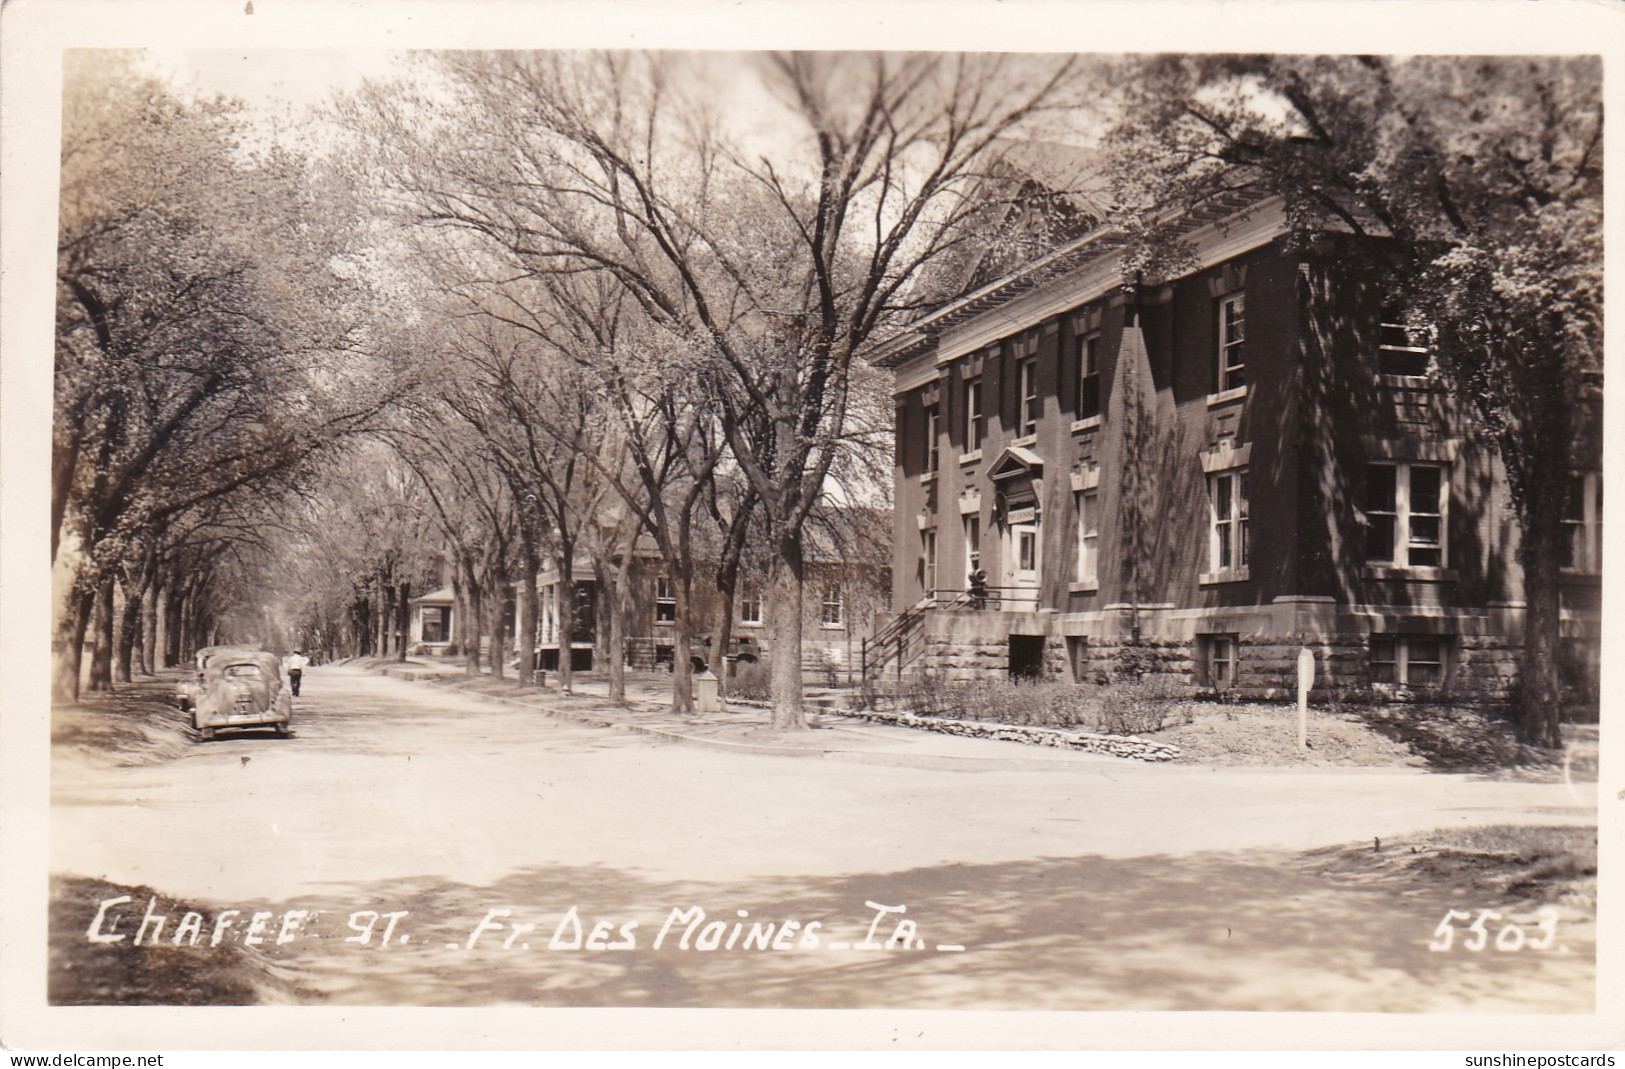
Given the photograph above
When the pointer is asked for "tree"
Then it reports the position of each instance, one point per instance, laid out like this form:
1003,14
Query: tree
198,315
779,264
1474,185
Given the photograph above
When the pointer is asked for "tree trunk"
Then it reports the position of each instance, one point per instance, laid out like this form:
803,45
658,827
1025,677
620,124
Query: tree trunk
525,633
172,625
403,618
149,627
567,613
493,616
129,628
101,657
612,591
1539,692
785,619
69,643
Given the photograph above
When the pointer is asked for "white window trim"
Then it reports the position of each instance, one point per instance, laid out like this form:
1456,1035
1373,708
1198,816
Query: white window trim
1087,574
1207,649
839,601
663,583
1031,404
975,417
973,545
928,553
1402,519
1225,303
933,450
1086,344
744,621
1239,518
1588,558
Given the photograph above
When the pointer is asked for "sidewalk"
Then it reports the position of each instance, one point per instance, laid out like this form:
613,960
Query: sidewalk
746,728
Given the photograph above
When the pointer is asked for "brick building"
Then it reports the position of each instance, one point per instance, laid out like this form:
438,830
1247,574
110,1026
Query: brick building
1247,459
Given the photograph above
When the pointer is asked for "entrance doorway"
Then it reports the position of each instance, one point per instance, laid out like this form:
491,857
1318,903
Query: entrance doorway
1026,656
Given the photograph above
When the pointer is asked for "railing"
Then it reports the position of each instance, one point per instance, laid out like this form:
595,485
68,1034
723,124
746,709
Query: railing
900,641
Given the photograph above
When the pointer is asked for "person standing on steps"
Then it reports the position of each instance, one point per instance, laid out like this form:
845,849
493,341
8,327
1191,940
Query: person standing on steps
293,666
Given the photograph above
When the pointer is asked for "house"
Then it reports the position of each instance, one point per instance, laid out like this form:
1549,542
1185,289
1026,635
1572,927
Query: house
431,627
847,585
1217,469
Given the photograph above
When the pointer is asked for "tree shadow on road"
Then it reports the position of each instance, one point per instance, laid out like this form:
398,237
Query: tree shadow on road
1253,930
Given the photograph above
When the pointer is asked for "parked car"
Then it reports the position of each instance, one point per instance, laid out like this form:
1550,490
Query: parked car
238,688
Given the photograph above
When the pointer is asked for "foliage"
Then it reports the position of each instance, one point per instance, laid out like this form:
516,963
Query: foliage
1471,185
1123,708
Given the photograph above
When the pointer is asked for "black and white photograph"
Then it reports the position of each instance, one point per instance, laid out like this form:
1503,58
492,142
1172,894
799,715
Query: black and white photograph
1037,532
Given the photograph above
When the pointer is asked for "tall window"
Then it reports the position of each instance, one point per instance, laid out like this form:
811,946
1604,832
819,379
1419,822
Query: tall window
1582,523
1232,342
1227,492
975,418
665,602
933,454
1026,549
750,607
834,607
973,543
1032,406
1402,349
928,562
1088,536
1089,376
1405,507
1409,660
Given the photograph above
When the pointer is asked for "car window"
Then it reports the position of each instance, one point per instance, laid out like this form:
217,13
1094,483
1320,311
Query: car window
243,671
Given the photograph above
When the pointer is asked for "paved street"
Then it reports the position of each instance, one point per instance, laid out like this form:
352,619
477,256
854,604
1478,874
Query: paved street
1030,878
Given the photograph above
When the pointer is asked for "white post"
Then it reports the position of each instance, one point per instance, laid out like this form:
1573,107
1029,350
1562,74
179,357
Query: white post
1306,679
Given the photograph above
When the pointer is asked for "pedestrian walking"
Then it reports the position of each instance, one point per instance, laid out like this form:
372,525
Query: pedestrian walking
293,666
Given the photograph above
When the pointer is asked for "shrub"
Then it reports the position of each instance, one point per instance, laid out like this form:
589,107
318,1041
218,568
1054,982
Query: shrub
752,681
1115,709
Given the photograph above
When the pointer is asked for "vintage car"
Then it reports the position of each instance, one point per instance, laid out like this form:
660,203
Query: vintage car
238,688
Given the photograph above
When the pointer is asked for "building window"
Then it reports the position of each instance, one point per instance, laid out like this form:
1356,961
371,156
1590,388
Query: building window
434,624
1032,406
928,562
1409,660
1581,549
973,544
834,607
1216,660
665,602
975,418
933,451
1227,493
1088,536
1405,507
750,607
1026,549
1402,347
1089,376
1232,342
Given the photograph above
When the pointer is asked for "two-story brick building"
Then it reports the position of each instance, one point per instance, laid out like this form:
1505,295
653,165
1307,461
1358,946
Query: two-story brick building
1220,468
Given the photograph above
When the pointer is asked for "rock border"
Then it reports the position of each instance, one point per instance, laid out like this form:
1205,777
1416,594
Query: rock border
1129,746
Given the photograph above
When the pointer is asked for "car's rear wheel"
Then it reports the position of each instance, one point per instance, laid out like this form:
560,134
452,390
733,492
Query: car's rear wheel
282,731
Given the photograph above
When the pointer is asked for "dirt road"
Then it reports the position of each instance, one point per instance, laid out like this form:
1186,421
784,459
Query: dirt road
416,846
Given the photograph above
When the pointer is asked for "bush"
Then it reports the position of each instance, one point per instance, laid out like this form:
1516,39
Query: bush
752,681
1115,709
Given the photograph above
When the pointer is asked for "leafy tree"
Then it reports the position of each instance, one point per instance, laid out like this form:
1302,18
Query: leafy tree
1474,185
778,264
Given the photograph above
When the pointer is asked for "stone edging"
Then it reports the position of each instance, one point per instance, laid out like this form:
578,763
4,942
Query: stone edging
1130,746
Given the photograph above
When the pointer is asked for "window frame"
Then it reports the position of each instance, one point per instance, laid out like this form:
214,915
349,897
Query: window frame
1583,533
1231,376
1393,327
1030,405
834,597
1087,504
1406,544
1089,400
971,524
747,599
665,601
933,446
1228,533
928,555
975,415
1403,658
1209,647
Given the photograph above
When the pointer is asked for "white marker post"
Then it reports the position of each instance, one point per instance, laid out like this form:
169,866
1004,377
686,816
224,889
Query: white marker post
1306,679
